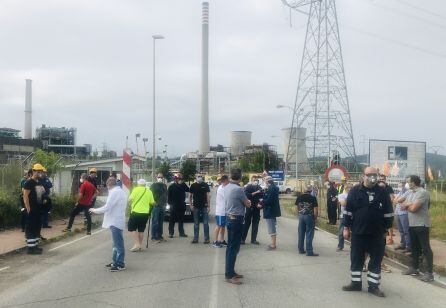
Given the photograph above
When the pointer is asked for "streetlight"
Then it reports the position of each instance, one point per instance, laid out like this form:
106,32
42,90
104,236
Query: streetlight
155,37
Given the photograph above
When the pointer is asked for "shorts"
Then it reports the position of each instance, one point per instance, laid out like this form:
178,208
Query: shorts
138,221
271,223
220,220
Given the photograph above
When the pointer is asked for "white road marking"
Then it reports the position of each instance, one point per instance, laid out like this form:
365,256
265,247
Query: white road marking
76,240
214,287
4,268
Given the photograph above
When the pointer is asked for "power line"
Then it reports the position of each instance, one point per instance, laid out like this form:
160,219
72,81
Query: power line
401,13
421,9
397,42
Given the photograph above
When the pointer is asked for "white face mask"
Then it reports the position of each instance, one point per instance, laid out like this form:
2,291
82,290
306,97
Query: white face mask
82,180
407,186
160,180
199,179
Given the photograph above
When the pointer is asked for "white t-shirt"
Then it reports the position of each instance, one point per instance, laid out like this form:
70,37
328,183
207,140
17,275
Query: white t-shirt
342,197
220,202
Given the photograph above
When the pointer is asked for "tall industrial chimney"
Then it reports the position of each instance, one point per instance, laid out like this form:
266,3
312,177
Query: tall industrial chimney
204,146
28,110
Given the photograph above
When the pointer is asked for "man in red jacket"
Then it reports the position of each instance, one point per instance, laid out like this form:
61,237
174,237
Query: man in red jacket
87,192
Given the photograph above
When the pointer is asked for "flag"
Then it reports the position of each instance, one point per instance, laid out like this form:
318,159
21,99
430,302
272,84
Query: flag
395,169
429,174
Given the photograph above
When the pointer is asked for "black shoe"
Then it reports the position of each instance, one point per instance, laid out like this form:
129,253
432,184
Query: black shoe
194,241
223,243
302,252
34,251
43,238
109,265
47,227
183,235
242,243
313,255
352,287
255,243
117,268
376,292
207,241
170,235
88,232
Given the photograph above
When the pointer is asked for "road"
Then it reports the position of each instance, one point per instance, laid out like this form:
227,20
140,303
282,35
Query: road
179,274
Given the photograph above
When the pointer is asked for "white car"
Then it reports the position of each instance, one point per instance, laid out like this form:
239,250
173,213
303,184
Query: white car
283,189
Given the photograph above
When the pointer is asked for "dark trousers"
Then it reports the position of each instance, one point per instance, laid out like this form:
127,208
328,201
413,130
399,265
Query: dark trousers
46,209
176,214
32,229
341,234
331,211
157,222
235,230
306,230
23,215
77,209
374,245
201,212
420,245
251,215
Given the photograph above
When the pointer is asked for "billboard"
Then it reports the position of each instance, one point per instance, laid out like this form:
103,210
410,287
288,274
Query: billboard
398,159
277,175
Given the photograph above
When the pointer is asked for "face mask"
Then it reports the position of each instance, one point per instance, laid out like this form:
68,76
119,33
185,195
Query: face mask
371,180
40,174
256,182
160,180
407,186
82,180
199,179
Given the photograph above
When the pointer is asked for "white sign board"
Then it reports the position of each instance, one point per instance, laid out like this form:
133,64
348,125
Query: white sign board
398,159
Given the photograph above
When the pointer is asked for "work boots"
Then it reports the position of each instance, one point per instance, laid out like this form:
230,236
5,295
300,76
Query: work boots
353,286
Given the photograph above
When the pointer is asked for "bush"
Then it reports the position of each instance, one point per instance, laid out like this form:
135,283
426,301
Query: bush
62,206
9,209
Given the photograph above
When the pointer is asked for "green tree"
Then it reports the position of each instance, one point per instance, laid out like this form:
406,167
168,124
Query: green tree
188,170
51,161
165,170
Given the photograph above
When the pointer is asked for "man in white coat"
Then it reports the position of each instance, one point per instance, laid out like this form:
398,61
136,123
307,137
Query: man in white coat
114,218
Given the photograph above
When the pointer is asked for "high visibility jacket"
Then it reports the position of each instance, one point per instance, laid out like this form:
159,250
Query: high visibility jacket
142,200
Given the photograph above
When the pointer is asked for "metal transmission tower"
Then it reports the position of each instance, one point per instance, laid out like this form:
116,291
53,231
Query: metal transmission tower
321,99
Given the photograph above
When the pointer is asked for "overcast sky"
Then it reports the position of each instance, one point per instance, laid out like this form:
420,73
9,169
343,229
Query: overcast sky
91,65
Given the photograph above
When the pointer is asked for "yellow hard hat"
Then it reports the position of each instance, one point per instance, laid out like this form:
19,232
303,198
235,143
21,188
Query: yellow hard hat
93,170
38,167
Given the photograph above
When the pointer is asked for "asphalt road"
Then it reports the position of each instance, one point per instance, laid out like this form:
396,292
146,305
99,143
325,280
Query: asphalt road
179,274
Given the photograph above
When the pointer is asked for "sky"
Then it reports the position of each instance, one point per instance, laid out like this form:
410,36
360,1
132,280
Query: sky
91,66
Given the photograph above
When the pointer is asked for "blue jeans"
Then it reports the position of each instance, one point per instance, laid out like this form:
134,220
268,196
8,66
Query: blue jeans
235,232
306,229
341,234
201,211
403,228
157,222
118,246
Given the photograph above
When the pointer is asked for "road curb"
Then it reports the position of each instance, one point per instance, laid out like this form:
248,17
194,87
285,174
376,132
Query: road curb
401,258
54,239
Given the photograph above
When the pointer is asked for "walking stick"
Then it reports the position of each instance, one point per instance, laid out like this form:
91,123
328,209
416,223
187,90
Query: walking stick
148,232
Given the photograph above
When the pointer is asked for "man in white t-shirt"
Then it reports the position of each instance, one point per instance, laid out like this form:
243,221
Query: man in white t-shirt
220,213
342,199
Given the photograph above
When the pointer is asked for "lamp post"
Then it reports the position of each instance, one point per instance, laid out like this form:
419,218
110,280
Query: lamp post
155,37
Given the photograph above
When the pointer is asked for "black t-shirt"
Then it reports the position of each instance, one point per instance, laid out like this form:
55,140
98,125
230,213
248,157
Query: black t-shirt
306,204
199,194
159,191
176,194
255,199
31,186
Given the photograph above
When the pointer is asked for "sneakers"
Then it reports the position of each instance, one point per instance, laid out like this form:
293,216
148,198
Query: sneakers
135,248
216,244
385,269
339,249
117,268
223,243
170,235
302,252
88,232
411,271
109,265
428,277
255,243
312,255
376,292
352,287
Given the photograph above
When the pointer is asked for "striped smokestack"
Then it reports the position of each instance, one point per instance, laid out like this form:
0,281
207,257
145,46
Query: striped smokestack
28,134
204,146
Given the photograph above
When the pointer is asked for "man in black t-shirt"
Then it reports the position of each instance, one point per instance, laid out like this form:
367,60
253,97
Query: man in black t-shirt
176,198
200,205
307,207
32,192
254,193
